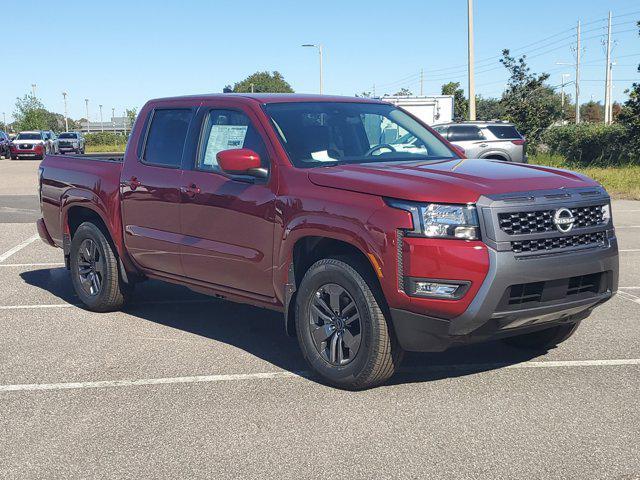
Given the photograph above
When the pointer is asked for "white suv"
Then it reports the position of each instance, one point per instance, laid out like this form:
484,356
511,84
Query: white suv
495,139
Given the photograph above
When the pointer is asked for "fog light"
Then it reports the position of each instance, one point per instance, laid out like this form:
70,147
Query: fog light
436,288
439,289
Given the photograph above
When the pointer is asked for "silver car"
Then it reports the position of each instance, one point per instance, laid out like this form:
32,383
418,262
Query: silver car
494,139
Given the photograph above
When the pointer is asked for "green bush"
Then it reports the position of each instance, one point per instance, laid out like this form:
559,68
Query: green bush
105,138
592,144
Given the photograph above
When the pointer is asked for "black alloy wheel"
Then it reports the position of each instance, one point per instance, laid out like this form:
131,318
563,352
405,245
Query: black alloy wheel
91,267
335,324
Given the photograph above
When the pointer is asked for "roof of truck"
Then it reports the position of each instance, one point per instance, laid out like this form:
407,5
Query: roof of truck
273,98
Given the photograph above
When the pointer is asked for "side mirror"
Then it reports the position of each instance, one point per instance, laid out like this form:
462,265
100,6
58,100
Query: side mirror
459,150
241,161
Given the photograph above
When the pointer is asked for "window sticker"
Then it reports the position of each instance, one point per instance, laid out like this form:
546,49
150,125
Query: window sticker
223,137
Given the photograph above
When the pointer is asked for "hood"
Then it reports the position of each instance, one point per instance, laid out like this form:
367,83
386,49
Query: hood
28,142
446,181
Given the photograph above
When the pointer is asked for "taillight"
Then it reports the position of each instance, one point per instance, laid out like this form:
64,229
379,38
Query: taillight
518,142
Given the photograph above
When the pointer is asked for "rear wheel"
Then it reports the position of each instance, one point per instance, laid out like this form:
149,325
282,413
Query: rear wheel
94,270
543,339
341,327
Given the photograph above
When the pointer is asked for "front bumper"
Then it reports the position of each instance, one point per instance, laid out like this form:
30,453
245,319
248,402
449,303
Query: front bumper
488,316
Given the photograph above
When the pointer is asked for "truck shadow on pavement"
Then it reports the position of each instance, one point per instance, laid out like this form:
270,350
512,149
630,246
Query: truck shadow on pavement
260,332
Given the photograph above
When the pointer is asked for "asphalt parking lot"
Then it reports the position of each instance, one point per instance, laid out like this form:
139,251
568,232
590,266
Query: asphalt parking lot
184,386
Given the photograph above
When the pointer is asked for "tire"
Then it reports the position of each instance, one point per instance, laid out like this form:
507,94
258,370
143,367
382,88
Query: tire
365,352
91,253
543,339
14,157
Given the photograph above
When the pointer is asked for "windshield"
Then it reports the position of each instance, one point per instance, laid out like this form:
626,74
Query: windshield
326,133
67,135
29,136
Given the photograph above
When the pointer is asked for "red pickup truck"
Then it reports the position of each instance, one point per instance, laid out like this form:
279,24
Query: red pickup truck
370,232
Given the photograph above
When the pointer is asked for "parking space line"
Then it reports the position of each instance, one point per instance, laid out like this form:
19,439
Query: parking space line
27,265
630,250
31,387
18,247
629,296
628,226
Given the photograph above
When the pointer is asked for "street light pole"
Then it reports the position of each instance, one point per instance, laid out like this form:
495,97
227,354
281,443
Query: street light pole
319,47
66,119
4,121
86,103
472,86
113,121
101,123
33,90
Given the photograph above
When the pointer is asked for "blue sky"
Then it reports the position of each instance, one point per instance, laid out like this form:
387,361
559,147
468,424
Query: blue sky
119,54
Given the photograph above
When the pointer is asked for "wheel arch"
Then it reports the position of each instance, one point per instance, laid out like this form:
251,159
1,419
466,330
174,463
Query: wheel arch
307,250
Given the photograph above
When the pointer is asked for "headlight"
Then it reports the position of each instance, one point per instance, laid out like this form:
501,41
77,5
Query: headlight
606,213
435,220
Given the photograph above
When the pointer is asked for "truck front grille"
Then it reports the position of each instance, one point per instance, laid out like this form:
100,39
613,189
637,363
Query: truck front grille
557,243
522,223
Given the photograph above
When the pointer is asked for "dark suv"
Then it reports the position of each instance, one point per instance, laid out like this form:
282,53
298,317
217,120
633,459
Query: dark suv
71,142
494,139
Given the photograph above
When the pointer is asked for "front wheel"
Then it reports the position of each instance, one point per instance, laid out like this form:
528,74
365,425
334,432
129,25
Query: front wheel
341,327
94,270
543,339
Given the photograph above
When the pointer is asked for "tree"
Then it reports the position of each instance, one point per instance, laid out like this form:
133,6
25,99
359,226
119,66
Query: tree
630,115
489,108
460,103
592,112
131,114
30,114
364,95
403,92
263,82
528,102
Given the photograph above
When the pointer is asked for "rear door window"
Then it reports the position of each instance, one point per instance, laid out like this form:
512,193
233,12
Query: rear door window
166,137
461,133
504,132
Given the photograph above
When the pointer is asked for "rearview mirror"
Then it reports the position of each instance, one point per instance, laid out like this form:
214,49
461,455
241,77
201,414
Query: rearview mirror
241,161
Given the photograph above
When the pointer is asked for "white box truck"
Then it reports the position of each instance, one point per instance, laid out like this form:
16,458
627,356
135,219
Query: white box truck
430,109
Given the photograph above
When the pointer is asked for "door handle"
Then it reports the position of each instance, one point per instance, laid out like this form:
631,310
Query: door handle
483,145
133,183
190,191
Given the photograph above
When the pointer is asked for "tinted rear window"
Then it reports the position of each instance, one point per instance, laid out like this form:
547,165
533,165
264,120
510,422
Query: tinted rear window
68,135
166,137
506,132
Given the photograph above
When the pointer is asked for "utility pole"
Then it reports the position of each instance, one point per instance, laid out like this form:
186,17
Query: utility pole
101,123
607,82
611,65
374,90
421,82
113,119
472,86
4,121
578,74
33,90
124,122
86,103
251,87
66,119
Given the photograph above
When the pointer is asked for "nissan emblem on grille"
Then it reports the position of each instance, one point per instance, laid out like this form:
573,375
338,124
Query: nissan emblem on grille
563,219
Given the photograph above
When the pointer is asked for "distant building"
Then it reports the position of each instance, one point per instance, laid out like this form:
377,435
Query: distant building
116,124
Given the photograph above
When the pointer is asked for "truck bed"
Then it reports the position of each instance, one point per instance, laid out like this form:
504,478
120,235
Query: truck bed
94,178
